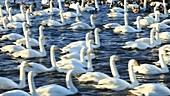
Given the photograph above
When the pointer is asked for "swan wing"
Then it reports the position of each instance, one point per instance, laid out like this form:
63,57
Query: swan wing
7,83
15,93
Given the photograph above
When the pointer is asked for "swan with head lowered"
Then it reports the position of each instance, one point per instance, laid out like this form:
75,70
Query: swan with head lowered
153,69
33,42
126,28
51,22
97,76
52,89
14,36
118,84
39,68
82,25
30,53
142,43
9,84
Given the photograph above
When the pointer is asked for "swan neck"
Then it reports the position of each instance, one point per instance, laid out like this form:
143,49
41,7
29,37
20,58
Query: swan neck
138,24
144,5
82,55
162,63
62,18
87,39
28,46
113,68
89,63
97,39
22,10
157,34
126,19
78,10
42,49
125,6
52,56
41,32
31,84
60,5
4,24
30,9
6,5
70,84
96,5
92,22
82,4
1,14
152,37
10,16
132,76
28,19
51,6
165,9
22,77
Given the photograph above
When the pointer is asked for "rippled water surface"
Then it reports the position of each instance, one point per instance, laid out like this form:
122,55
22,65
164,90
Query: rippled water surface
110,45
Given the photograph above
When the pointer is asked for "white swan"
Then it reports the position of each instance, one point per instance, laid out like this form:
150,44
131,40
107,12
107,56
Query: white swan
50,22
20,16
97,76
14,36
15,48
82,25
73,14
118,84
111,25
142,43
9,84
4,28
33,42
39,68
30,53
116,9
126,27
15,93
49,11
52,89
65,65
153,69
115,15
89,8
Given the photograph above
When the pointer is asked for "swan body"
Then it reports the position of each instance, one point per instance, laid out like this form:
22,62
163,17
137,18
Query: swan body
97,76
82,25
21,16
15,93
126,27
11,37
54,22
151,89
115,15
9,84
146,21
111,25
30,53
11,48
73,14
164,36
142,43
162,25
117,9
52,90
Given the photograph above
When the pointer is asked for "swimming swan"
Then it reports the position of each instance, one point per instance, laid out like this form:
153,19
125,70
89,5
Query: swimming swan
52,89
30,53
9,84
97,76
82,25
15,93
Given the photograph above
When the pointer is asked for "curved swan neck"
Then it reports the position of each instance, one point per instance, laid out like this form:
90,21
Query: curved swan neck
22,77
89,63
28,46
138,24
52,56
144,5
162,62
96,5
152,37
113,68
6,5
125,6
97,39
92,22
69,82
82,51
132,75
42,49
126,19
165,9
31,84
27,18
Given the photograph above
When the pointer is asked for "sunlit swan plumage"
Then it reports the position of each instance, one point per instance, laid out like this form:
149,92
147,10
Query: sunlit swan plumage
142,43
97,76
153,69
20,16
14,36
9,84
73,14
15,93
115,15
82,25
126,27
52,89
51,22
30,53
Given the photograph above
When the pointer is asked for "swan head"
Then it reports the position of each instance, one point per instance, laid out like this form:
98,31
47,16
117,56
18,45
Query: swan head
97,30
133,62
114,58
53,47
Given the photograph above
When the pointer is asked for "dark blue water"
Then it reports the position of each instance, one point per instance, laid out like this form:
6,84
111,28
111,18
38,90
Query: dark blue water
110,45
